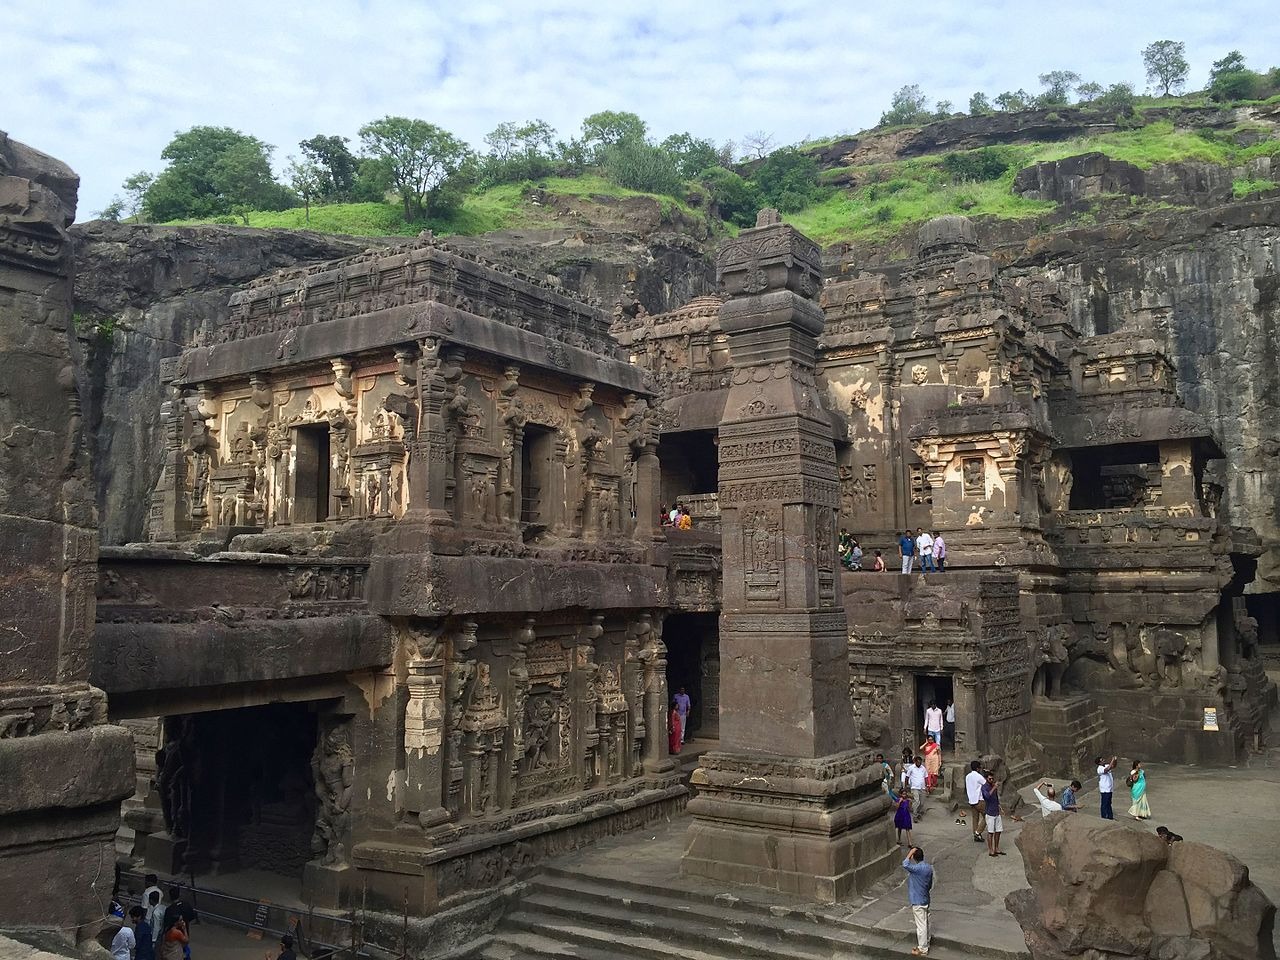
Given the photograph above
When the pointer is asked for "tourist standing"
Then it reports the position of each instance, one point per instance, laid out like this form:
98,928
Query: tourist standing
1137,780
1106,784
919,885
146,943
174,943
917,780
155,914
974,781
902,816
939,552
153,886
286,949
125,943
886,778
924,547
932,762
683,706
1070,797
907,549
675,731
1048,800
995,822
949,723
178,909
933,722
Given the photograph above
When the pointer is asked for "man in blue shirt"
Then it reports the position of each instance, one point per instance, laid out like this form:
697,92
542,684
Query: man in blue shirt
907,547
919,883
1068,798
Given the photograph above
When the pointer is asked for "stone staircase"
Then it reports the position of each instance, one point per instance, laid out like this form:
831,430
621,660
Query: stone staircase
567,913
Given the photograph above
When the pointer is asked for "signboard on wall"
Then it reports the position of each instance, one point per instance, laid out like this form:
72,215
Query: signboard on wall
1211,719
260,917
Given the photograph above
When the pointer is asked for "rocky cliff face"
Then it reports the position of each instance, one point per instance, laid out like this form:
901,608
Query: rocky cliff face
142,292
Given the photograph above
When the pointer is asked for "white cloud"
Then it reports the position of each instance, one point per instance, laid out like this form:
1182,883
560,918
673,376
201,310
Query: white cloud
105,86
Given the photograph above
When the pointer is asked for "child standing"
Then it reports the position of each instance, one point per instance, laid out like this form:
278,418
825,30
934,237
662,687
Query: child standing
902,816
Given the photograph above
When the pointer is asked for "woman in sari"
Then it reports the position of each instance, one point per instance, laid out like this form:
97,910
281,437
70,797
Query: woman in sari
932,754
676,732
1137,780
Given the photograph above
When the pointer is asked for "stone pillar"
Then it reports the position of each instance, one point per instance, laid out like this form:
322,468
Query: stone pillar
789,803
65,769
424,727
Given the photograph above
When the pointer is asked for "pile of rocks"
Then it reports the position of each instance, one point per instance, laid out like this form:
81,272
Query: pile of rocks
1103,891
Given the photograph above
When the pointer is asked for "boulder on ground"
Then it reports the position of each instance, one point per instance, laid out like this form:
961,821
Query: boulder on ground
1101,890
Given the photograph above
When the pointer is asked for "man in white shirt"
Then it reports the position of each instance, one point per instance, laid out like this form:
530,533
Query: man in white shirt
924,547
1048,800
1106,784
125,944
949,724
933,722
973,784
916,781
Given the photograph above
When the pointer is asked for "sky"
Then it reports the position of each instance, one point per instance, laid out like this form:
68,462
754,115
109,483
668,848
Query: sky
105,84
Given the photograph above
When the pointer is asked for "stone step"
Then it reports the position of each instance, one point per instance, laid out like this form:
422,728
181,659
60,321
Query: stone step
760,929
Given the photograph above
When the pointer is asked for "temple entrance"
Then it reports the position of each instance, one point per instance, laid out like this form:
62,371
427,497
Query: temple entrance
311,474
535,462
693,662
930,688
237,790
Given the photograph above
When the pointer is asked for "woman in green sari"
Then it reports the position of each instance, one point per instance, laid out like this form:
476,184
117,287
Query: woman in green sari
1137,780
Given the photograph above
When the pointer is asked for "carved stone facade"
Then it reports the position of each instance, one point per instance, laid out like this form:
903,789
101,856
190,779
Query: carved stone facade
966,403
433,483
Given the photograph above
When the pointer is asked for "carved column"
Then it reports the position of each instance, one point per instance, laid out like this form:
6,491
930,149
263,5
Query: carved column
460,670
789,803
653,657
424,718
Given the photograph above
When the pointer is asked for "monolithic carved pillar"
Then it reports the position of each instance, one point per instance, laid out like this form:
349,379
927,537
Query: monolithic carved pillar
66,769
423,788
789,803
653,656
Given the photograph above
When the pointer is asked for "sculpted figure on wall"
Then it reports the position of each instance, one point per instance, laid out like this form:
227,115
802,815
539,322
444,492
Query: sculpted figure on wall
333,777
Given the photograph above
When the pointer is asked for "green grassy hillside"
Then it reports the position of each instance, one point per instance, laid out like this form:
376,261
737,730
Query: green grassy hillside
860,203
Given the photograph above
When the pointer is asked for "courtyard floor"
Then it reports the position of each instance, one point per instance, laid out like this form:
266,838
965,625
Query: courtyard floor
1232,808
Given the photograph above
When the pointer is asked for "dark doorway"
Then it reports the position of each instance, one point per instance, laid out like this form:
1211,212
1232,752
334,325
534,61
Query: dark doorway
690,464
535,465
930,688
311,474
1116,477
244,779
693,662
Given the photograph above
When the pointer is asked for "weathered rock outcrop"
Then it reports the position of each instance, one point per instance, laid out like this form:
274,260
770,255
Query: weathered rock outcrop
1101,890
1088,176
64,769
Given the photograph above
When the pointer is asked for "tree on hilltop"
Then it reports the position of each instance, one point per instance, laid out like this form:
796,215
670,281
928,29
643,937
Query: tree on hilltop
419,159
336,163
1166,65
1230,79
908,105
756,146
1058,85
1089,92
309,181
213,170
979,104
518,151
1011,101
610,127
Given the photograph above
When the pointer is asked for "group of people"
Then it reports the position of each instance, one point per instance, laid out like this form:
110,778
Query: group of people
161,931
678,517
929,547
155,930
1136,781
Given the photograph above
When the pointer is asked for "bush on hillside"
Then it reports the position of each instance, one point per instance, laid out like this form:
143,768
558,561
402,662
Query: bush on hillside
986,163
736,200
788,180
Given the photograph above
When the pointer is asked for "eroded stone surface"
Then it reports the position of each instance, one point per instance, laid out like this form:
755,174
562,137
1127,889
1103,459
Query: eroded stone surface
64,768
